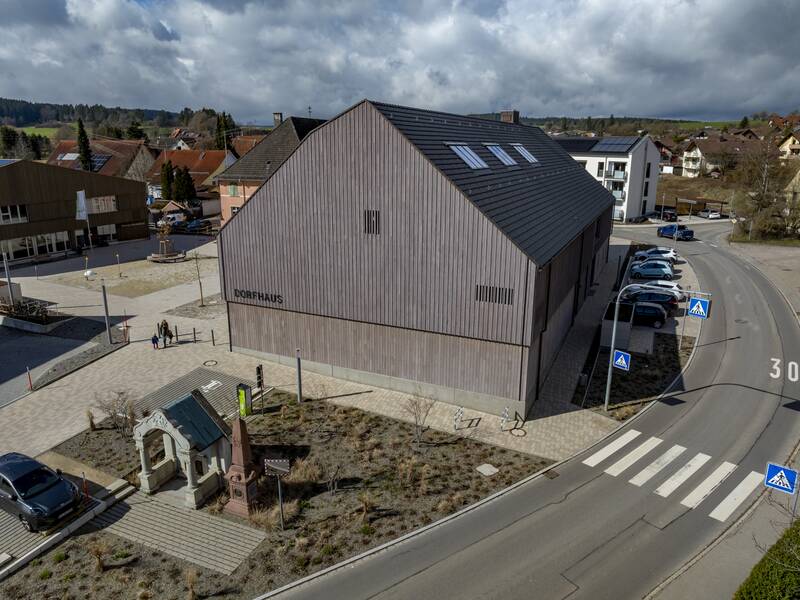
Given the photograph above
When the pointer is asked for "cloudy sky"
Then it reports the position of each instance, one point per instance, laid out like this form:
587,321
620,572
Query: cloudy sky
693,58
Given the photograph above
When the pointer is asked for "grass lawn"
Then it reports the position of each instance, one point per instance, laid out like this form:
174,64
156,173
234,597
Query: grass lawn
33,130
672,186
742,239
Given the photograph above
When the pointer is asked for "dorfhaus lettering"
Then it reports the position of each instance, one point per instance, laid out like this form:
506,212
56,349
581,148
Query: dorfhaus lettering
260,296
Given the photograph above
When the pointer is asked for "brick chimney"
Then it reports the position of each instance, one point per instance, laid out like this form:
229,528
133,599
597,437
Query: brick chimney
277,118
509,116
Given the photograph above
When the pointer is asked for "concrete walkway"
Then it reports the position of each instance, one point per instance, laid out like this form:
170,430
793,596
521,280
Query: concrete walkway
191,535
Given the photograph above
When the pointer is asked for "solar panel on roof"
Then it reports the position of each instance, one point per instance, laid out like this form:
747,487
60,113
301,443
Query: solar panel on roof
618,144
98,160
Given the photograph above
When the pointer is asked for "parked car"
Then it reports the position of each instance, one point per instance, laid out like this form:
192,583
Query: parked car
670,286
170,219
199,226
714,214
665,299
657,252
633,289
35,494
646,313
669,231
670,215
651,270
178,227
663,261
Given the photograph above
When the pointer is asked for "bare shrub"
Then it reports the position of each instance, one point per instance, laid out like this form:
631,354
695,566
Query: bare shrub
218,505
191,581
90,419
305,469
118,405
366,503
425,474
260,518
301,543
98,549
418,408
284,411
407,470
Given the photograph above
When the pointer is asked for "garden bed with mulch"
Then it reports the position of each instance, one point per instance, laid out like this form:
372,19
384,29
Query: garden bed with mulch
649,376
357,480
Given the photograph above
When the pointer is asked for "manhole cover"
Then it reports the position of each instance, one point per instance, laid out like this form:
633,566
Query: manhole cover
210,363
551,474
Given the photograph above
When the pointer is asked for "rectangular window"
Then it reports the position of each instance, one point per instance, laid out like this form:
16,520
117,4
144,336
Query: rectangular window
15,213
525,153
582,163
233,189
646,188
501,154
600,167
372,222
494,294
468,155
647,172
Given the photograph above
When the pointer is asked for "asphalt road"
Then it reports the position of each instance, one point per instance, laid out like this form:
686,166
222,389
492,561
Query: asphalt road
590,534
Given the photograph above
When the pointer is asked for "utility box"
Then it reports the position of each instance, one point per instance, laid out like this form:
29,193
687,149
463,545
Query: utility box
624,326
244,393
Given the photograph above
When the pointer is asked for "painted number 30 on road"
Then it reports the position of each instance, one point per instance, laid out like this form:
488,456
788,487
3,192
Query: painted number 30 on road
792,370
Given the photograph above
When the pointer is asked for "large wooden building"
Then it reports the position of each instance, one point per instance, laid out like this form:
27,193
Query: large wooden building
427,252
38,208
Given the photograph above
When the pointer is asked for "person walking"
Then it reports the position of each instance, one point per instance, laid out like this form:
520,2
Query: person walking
154,340
162,331
169,336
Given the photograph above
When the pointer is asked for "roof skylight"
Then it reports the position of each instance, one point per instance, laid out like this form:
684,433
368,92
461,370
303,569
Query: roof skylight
525,153
468,155
501,154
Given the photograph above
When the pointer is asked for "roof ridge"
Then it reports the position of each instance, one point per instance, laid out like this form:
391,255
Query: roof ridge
489,123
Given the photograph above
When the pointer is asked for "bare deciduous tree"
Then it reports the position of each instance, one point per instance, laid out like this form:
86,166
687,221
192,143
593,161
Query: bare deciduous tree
118,405
418,408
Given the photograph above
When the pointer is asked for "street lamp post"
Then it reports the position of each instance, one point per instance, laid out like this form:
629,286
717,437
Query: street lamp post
614,337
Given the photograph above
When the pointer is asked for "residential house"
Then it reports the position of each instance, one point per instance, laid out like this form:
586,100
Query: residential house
790,146
746,133
668,162
245,176
627,166
779,122
203,166
130,159
718,154
434,253
38,205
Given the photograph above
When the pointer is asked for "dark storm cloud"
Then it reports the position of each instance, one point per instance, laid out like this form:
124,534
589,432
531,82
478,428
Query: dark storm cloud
710,58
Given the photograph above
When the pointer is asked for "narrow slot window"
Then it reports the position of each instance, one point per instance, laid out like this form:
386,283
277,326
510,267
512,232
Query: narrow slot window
372,222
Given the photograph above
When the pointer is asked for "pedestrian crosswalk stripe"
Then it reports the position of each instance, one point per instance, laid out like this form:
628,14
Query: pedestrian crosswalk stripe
602,454
632,456
709,484
686,471
739,494
656,466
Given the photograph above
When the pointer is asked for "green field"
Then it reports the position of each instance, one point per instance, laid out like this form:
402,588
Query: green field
697,125
45,131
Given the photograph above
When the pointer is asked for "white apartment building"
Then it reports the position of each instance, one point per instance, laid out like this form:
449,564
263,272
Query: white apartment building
626,166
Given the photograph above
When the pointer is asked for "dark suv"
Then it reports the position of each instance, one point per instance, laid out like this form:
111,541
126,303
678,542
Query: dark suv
665,300
645,313
33,493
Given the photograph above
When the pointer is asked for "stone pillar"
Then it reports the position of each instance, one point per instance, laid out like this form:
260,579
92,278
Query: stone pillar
169,447
144,457
188,464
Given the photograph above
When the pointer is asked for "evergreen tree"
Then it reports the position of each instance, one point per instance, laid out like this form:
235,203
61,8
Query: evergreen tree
744,123
563,123
611,121
184,190
84,150
167,181
589,124
135,131
219,134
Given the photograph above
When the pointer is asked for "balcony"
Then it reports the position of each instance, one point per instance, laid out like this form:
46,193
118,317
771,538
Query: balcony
618,194
617,175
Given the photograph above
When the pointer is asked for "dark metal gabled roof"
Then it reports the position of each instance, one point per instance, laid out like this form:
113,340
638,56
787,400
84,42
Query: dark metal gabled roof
260,162
541,207
197,420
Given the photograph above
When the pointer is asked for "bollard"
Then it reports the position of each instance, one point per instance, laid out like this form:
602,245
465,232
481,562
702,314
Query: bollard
30,381
213,343
176,334
194,335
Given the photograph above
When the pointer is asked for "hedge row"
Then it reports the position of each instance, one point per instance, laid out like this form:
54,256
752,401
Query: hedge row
770,579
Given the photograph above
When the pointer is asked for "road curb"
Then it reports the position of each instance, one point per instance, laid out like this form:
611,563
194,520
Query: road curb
426,528
757,501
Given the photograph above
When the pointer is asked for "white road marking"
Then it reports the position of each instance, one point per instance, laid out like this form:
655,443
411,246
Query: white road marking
709,484
737,496
686,471
657,465
712,245
632,456
607,451
700,242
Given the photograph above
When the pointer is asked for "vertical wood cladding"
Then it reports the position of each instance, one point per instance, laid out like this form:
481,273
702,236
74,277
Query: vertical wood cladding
303,238
461,363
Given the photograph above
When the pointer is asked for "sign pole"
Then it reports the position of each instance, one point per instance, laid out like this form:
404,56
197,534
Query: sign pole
299,378
280,498
8,279
105,310
611,352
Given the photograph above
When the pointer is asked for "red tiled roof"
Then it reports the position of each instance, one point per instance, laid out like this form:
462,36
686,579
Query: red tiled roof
242,144
120,153
201,164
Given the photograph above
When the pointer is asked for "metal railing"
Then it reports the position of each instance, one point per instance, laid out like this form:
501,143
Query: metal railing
614,174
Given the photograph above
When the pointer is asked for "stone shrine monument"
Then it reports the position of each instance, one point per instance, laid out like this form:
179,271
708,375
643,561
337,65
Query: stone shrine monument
242,475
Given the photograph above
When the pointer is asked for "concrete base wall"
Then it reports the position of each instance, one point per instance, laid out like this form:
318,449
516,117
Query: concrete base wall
482,402
6,321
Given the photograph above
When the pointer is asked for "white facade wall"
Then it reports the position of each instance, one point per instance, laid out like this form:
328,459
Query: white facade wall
693,162
633,186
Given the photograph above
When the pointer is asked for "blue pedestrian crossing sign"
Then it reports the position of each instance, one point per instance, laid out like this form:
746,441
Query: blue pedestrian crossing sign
781,478
698,307
622,360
